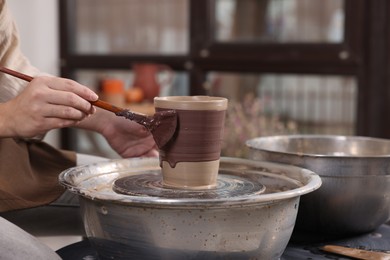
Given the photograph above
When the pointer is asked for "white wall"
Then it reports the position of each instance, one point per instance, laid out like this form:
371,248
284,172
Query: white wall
37,22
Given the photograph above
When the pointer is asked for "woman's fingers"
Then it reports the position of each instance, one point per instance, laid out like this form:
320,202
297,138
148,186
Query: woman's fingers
68,86
69,101
64,112
64,92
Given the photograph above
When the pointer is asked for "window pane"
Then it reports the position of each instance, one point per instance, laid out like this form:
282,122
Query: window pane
131,26
280,21
271,104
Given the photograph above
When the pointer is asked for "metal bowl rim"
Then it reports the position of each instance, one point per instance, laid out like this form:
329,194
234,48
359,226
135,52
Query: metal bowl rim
313,183
251,143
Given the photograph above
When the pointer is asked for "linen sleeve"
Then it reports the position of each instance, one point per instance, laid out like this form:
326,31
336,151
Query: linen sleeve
11,56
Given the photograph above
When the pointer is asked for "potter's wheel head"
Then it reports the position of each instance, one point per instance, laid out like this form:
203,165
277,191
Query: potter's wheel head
229,185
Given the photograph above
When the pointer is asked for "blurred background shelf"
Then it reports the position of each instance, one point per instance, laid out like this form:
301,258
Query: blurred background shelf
287,66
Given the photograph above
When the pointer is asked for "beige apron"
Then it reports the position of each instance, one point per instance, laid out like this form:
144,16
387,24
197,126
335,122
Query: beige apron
29,173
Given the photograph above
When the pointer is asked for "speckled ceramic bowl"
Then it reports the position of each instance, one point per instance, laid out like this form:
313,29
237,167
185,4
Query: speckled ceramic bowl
249,215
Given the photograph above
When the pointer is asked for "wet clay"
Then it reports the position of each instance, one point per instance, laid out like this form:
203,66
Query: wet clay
162,125
192,141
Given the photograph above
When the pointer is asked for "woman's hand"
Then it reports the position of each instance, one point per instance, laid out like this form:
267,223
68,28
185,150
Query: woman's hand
46,103
129,139
126,137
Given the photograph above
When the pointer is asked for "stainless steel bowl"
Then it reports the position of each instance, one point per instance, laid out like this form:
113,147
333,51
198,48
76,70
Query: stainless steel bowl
355,171
246,226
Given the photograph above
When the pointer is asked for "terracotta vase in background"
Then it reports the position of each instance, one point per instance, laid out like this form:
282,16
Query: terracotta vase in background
145,77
